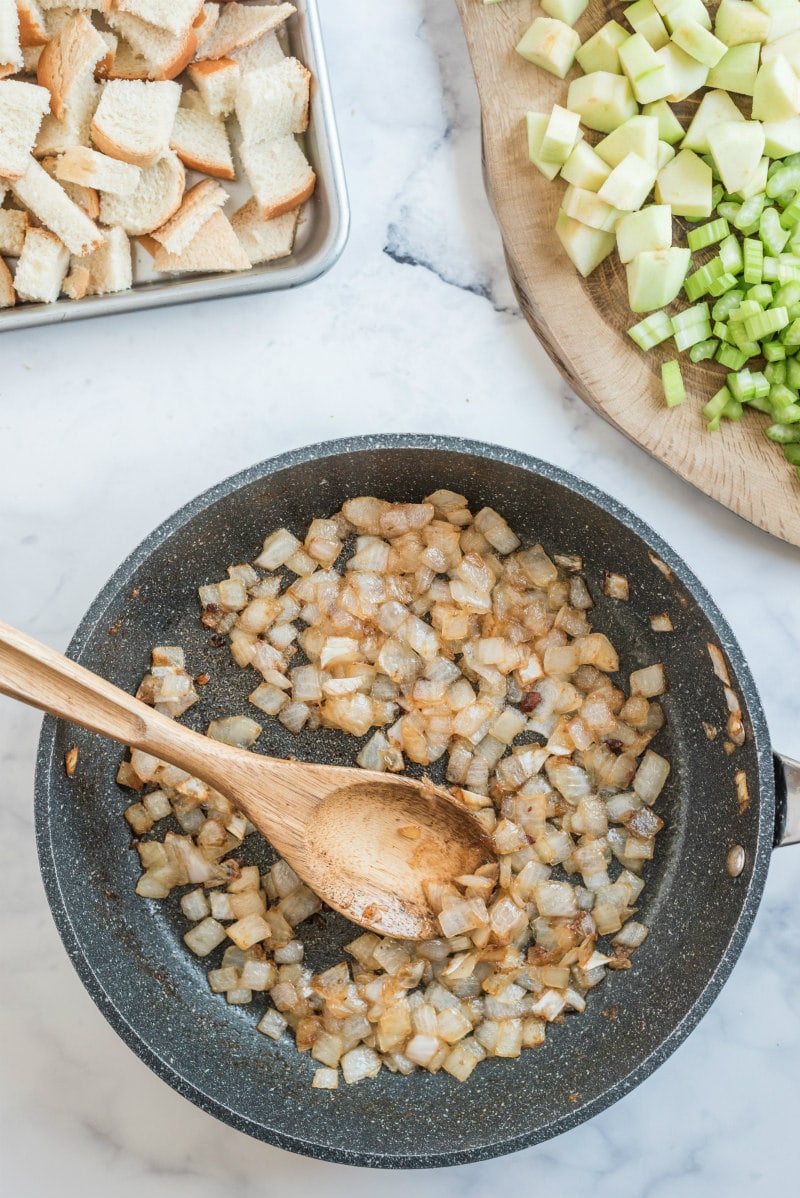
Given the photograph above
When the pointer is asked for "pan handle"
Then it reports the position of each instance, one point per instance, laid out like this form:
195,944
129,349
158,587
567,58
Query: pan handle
787,800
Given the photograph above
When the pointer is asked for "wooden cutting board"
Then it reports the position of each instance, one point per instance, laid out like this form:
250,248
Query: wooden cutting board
582,322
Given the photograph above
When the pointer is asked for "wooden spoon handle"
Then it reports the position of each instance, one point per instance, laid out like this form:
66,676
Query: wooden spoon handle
40,677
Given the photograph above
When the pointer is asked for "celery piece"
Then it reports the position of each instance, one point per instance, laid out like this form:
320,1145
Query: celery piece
699,283
730,252
727,304
690,316
774,352
760,404
724,282
791,336
769,270
704,350
705,235
771,234
766,323
783,434
745,310
749,214
761,294
787,295
753,255
714,424
654,329
788,272
732,410
729,209
793,373
672,382
775,372
717,192
790,414
780,397
760,384
790,217
716,404
721,332
693,335
742,386
792,453
731,357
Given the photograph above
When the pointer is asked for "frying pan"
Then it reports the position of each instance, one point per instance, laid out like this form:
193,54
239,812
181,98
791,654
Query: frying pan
702,890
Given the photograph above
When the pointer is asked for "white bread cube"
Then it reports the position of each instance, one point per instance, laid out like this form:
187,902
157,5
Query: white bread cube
51,205
10,48
176,16
279,173
109,267
134,119
217,83
163,54
13,227
22,107
199,203
266,52
200,140
74,128
215,247
264,240
241,24
206,24
89,168
158,195
68,59
41,267
7,296
32,26
273,102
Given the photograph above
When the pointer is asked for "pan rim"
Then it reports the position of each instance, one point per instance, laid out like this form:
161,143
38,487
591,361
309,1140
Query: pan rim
582,1111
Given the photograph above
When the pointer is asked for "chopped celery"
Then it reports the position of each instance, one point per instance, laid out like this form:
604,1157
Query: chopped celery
780,398
732,410
766,323
672,382
791,336
704,350
775,372
792,453
727,304
742,386
699,283
783,434
774,352
685,338
716,404
753,253
731,357
793,373
790,414
724,282
771,233
761,294
721,331
654,329
705,235
731,254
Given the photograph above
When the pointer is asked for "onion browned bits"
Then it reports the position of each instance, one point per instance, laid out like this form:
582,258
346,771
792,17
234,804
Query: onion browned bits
433,636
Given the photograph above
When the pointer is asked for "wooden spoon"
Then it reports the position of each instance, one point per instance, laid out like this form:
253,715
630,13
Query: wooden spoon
365,842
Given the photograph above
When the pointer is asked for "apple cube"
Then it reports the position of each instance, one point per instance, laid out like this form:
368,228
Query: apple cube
738,21
602,100
715,106
643,18
685,184
599,53
757,181
737,71
537,123
585,168
776,95
784,16
563,130
648,229
736,147
787,47
639,135
669,127
629,184
589,209
585,247
675,11
686,75
782,138
549,44
665,154
568,11
655,277
699,43
648,76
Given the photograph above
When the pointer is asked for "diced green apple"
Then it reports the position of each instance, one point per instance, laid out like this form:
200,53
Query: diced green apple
782,138
568,11
784,16
602,100
738,21
648,76
736,147
643,18
537,123
563,130
655,277
699,43
549,44
685,184
585,168
585,247
648,229
629,184
757,183
776,95
589,209
675,11
639,135
787,47
665,154
599,53
685,73
669,127
715,106
737,71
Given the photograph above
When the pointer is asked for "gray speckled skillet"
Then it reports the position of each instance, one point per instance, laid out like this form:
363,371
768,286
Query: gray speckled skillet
129,953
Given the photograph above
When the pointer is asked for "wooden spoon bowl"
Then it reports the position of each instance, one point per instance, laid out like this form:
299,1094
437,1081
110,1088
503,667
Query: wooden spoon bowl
582,323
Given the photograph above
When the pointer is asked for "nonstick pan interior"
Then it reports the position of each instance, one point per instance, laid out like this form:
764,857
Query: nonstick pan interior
129,952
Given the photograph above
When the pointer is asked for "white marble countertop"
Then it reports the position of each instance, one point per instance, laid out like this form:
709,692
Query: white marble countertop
107,426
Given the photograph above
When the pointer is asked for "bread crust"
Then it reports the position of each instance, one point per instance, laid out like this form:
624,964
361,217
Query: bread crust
290,202
70,54
31,31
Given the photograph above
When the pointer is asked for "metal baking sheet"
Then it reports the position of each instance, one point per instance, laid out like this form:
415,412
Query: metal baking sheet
321,235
